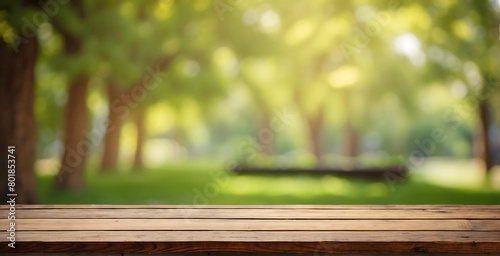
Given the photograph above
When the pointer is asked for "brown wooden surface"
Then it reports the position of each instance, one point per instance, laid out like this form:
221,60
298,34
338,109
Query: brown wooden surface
236,206
242,213
255,228
256,225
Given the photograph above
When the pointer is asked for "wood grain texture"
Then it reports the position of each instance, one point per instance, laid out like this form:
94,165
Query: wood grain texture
255,228
255,213
284,206
255,247
252,225
257,236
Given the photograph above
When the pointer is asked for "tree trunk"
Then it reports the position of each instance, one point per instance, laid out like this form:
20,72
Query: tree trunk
316,140
141,137
17,119
350,146
483,148
496,153
265,135
350,143
77,143
112,137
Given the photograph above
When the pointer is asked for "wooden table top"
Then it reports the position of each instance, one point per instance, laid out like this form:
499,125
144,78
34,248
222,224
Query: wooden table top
255,228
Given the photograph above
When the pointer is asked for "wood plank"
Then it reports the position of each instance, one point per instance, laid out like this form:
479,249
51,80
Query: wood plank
255,247
257,236
370,207
222,254
226,254
258,229
85,254
253,225
280,254
253,214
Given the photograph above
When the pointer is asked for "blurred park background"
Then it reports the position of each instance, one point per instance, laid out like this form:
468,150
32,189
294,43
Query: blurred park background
159,102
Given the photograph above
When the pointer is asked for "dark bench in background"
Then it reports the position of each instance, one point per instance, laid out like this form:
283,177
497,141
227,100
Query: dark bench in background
272,229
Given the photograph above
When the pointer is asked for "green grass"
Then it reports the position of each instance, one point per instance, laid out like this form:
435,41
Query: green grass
205,182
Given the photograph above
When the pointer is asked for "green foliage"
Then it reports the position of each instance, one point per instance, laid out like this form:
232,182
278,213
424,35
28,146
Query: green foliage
377,63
